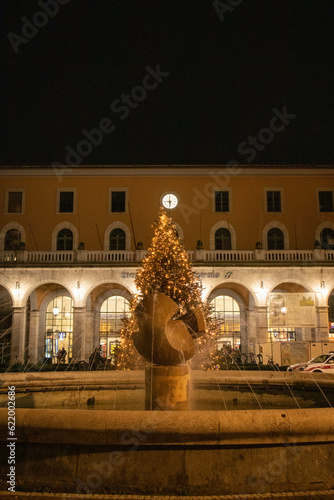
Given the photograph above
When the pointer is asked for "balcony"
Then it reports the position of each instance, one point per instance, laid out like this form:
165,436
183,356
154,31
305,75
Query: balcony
200,257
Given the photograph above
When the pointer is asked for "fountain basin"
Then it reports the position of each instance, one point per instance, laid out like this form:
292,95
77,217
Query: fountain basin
199,452
155,452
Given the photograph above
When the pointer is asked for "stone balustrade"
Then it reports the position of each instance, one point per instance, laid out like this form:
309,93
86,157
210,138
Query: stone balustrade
27,257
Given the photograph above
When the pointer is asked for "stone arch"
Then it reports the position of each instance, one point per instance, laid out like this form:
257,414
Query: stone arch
120,225
242,297
228,226
322,226
280,226
65,225
8,227
98,295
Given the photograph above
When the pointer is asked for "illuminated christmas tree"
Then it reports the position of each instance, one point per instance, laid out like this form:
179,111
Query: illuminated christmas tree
166,268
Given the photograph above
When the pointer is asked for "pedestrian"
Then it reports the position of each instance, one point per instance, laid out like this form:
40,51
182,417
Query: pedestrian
63,355
59,356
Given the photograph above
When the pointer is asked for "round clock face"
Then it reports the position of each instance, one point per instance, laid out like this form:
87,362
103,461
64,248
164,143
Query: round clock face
169,201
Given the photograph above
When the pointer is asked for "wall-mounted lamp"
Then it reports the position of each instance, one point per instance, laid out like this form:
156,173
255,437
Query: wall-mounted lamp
284,310
78,285
16,290
55,308
261,285
322,285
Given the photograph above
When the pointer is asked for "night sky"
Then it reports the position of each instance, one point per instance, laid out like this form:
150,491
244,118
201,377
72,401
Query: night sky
221,80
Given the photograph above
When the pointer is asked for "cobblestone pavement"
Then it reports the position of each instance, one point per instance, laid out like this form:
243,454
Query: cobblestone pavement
301,495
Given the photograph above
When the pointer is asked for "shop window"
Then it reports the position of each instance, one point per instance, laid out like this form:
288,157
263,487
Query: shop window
12,240
66,201
222,201
275,239
118,201
327,238
222,239
59,328
226,315
117,239
15,199
65,239
326,201
274,201
112,314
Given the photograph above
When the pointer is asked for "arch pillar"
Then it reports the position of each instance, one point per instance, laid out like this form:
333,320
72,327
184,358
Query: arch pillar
251,329
18,336
89,334
261,324
34,338
322,323
79,327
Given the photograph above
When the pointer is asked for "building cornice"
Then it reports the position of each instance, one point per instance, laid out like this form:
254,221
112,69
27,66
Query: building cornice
165,170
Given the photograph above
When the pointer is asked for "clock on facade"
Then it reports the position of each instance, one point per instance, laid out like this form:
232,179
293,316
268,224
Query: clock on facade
169,200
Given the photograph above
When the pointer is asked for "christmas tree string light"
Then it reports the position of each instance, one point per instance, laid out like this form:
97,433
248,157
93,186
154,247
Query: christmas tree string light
166,269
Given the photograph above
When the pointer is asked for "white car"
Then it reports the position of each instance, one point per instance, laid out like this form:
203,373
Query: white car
320,364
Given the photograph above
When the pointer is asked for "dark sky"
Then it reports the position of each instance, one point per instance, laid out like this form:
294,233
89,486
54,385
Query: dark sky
225,78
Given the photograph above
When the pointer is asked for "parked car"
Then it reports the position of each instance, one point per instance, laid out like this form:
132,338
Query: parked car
320,364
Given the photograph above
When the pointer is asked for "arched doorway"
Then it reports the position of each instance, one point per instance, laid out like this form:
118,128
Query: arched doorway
291,313
58,328
112,312
226,315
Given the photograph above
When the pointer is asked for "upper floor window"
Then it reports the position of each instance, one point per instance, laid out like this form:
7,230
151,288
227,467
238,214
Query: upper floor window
12,240
275,239
65,239
326,201
14,202
118,201
66,201
222,201
117,239
274,201
222,239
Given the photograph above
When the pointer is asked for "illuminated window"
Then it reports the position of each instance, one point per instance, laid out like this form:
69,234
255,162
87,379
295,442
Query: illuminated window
59,327
112,312
222,239
226,314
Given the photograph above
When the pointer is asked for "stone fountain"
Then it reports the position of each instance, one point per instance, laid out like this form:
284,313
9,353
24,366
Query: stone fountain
167,341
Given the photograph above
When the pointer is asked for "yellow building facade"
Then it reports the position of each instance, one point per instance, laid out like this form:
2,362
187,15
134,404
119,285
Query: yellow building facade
261,240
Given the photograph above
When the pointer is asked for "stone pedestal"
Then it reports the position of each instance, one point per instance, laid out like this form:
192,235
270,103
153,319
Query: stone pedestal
167,387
